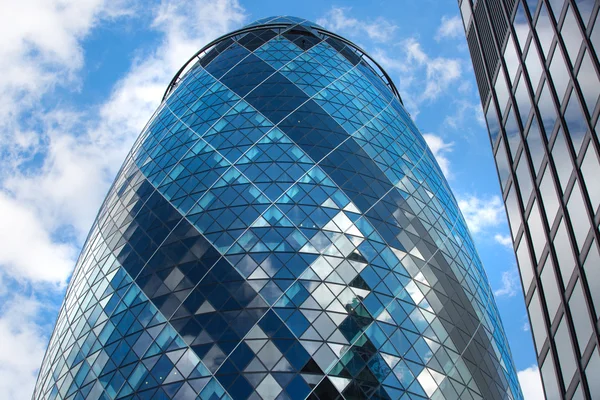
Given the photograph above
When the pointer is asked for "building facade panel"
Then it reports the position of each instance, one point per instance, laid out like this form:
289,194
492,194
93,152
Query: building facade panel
540,100
280,230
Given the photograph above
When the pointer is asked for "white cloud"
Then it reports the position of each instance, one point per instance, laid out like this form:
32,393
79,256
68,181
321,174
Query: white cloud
47,206
451,27
441,71
510,284
504,240
482,213
531,383
465,111
338,21
439,148
22,347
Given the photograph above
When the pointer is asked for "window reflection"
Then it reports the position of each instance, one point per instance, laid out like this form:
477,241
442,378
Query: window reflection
501,91
522,98
465,10
559,74
592,274
595,37
575,121
525,265
521,26
547,110
591,372
514,213
580,316
536,229
536,316
525,184
549,196
550,380
492,122
544,30
562,161
551,290
512,59
571,35
535,144
578,215
585,8
534,66
502,163
588,82
564,253
564,350
589,169
512,133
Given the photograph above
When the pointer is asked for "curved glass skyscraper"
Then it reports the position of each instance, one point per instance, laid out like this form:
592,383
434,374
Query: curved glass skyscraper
280,230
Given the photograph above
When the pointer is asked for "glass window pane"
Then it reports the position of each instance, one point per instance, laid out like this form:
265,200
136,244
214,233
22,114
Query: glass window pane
536,229
522,99
549,196
592,274
585,8
535,144
543,27
595,37
551,289
502,163
492,122
512,59
512,133
465,9
501,91
559,74
547,110
514,214
562,161
578,216
575,121
521,26
536,316
590,168
571,35
588,82
525,266
550,380
525,184
591,372
581,317
564,350
532,4
564,253
534,66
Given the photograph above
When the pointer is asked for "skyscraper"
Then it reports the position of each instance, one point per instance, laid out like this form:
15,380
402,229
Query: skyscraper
279,230
537,70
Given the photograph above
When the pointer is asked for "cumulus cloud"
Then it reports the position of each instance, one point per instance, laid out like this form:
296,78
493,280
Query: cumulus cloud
465,111
510,284
504,240
60,161
451,27
482,213
440,149
338,20
531,383
22,346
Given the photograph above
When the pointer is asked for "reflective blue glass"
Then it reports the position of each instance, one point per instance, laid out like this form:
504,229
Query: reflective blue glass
280,230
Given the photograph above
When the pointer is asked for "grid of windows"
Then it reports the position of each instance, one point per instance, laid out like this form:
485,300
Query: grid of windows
280,230
541,104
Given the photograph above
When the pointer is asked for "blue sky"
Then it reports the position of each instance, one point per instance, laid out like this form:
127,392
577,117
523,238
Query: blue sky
79,79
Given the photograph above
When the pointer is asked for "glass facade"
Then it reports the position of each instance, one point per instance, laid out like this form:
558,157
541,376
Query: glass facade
537,68
279,230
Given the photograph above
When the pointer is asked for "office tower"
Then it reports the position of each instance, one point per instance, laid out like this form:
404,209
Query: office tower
280,230
537,71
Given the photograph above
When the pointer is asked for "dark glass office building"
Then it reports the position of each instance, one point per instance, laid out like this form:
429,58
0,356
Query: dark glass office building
279,230
537,68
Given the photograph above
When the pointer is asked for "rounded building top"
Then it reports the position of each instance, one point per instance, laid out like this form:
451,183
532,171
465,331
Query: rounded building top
302,31
284,19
